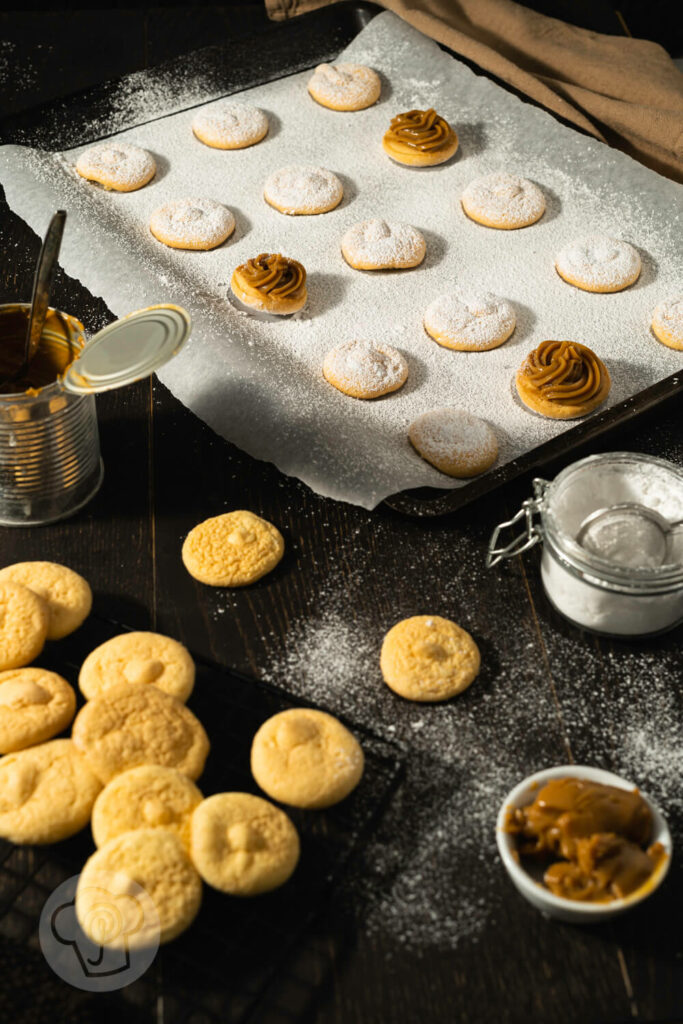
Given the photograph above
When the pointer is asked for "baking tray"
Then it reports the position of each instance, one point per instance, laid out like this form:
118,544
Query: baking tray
240,960
284,49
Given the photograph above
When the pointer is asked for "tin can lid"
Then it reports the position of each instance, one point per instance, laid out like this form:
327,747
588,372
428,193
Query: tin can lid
128,350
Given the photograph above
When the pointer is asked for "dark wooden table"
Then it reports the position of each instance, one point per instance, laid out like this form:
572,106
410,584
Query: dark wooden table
563,692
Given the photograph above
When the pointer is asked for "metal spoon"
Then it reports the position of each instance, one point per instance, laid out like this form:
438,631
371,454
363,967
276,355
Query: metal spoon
658,531
40,298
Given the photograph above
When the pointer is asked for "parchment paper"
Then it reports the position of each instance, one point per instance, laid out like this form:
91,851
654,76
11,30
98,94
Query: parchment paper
260,385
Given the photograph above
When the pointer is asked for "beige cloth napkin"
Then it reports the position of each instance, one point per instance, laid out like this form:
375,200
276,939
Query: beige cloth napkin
626,92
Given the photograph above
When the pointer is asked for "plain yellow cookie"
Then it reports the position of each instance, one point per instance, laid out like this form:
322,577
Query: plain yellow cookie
68,595
34,706
243,844
427,658
152,859
24,618
138,657
46,793
306,758
129,725
149,796
232,550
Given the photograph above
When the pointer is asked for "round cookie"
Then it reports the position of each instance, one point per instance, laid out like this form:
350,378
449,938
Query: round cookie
562,380
227,125
46,793
382,245
138,657
598,263
470,322
428,658
117,166
156,861
232,550
149,796
420,138
271,283
363,369
454,441
306,758
129,725
192,224
299,190
34,706
345,86
24,620
68,595
667,323
243,844
504,201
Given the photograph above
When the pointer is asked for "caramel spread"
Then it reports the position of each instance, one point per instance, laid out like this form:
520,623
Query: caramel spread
600,831
56,350
423,130
564,371
273,275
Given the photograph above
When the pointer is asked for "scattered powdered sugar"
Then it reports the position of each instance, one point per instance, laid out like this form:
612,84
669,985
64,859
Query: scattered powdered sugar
118,163
298,189
505,199
668,316
383,245
364,367
196,222
345,84
452,435
260,384
599,261
475,322
233,124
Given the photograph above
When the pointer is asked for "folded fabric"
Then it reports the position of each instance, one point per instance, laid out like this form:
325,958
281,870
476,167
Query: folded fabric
626,92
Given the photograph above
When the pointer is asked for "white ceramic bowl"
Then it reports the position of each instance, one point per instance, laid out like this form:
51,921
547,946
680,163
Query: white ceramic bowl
536,893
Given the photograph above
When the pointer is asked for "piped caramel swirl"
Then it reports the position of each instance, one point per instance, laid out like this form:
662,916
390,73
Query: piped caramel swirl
273,275
564,371
423,130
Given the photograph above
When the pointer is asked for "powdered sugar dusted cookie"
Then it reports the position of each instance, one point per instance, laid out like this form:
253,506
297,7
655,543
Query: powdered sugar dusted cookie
454,441
227,125
117,166
503,200
192,223
598,263
365,369
470,322
345,86
303,190
667,323
382,245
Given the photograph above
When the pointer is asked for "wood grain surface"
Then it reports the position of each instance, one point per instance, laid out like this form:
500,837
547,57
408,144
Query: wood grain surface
165,470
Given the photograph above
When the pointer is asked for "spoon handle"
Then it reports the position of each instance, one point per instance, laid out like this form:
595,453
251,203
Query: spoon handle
42,282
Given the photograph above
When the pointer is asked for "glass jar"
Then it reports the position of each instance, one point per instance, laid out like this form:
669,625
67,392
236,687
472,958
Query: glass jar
50,463
593,592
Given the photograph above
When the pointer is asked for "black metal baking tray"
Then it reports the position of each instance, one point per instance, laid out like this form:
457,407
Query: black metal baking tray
238,961
284,49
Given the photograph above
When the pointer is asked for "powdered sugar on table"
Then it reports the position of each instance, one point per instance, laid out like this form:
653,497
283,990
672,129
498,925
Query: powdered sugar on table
261,384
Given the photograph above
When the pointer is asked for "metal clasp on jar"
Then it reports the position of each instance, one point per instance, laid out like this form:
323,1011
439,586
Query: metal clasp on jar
531,534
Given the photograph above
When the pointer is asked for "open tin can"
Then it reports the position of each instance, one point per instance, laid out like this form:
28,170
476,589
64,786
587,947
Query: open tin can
50,464
594,592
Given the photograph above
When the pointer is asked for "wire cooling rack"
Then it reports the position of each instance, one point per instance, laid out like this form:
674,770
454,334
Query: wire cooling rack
235,963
